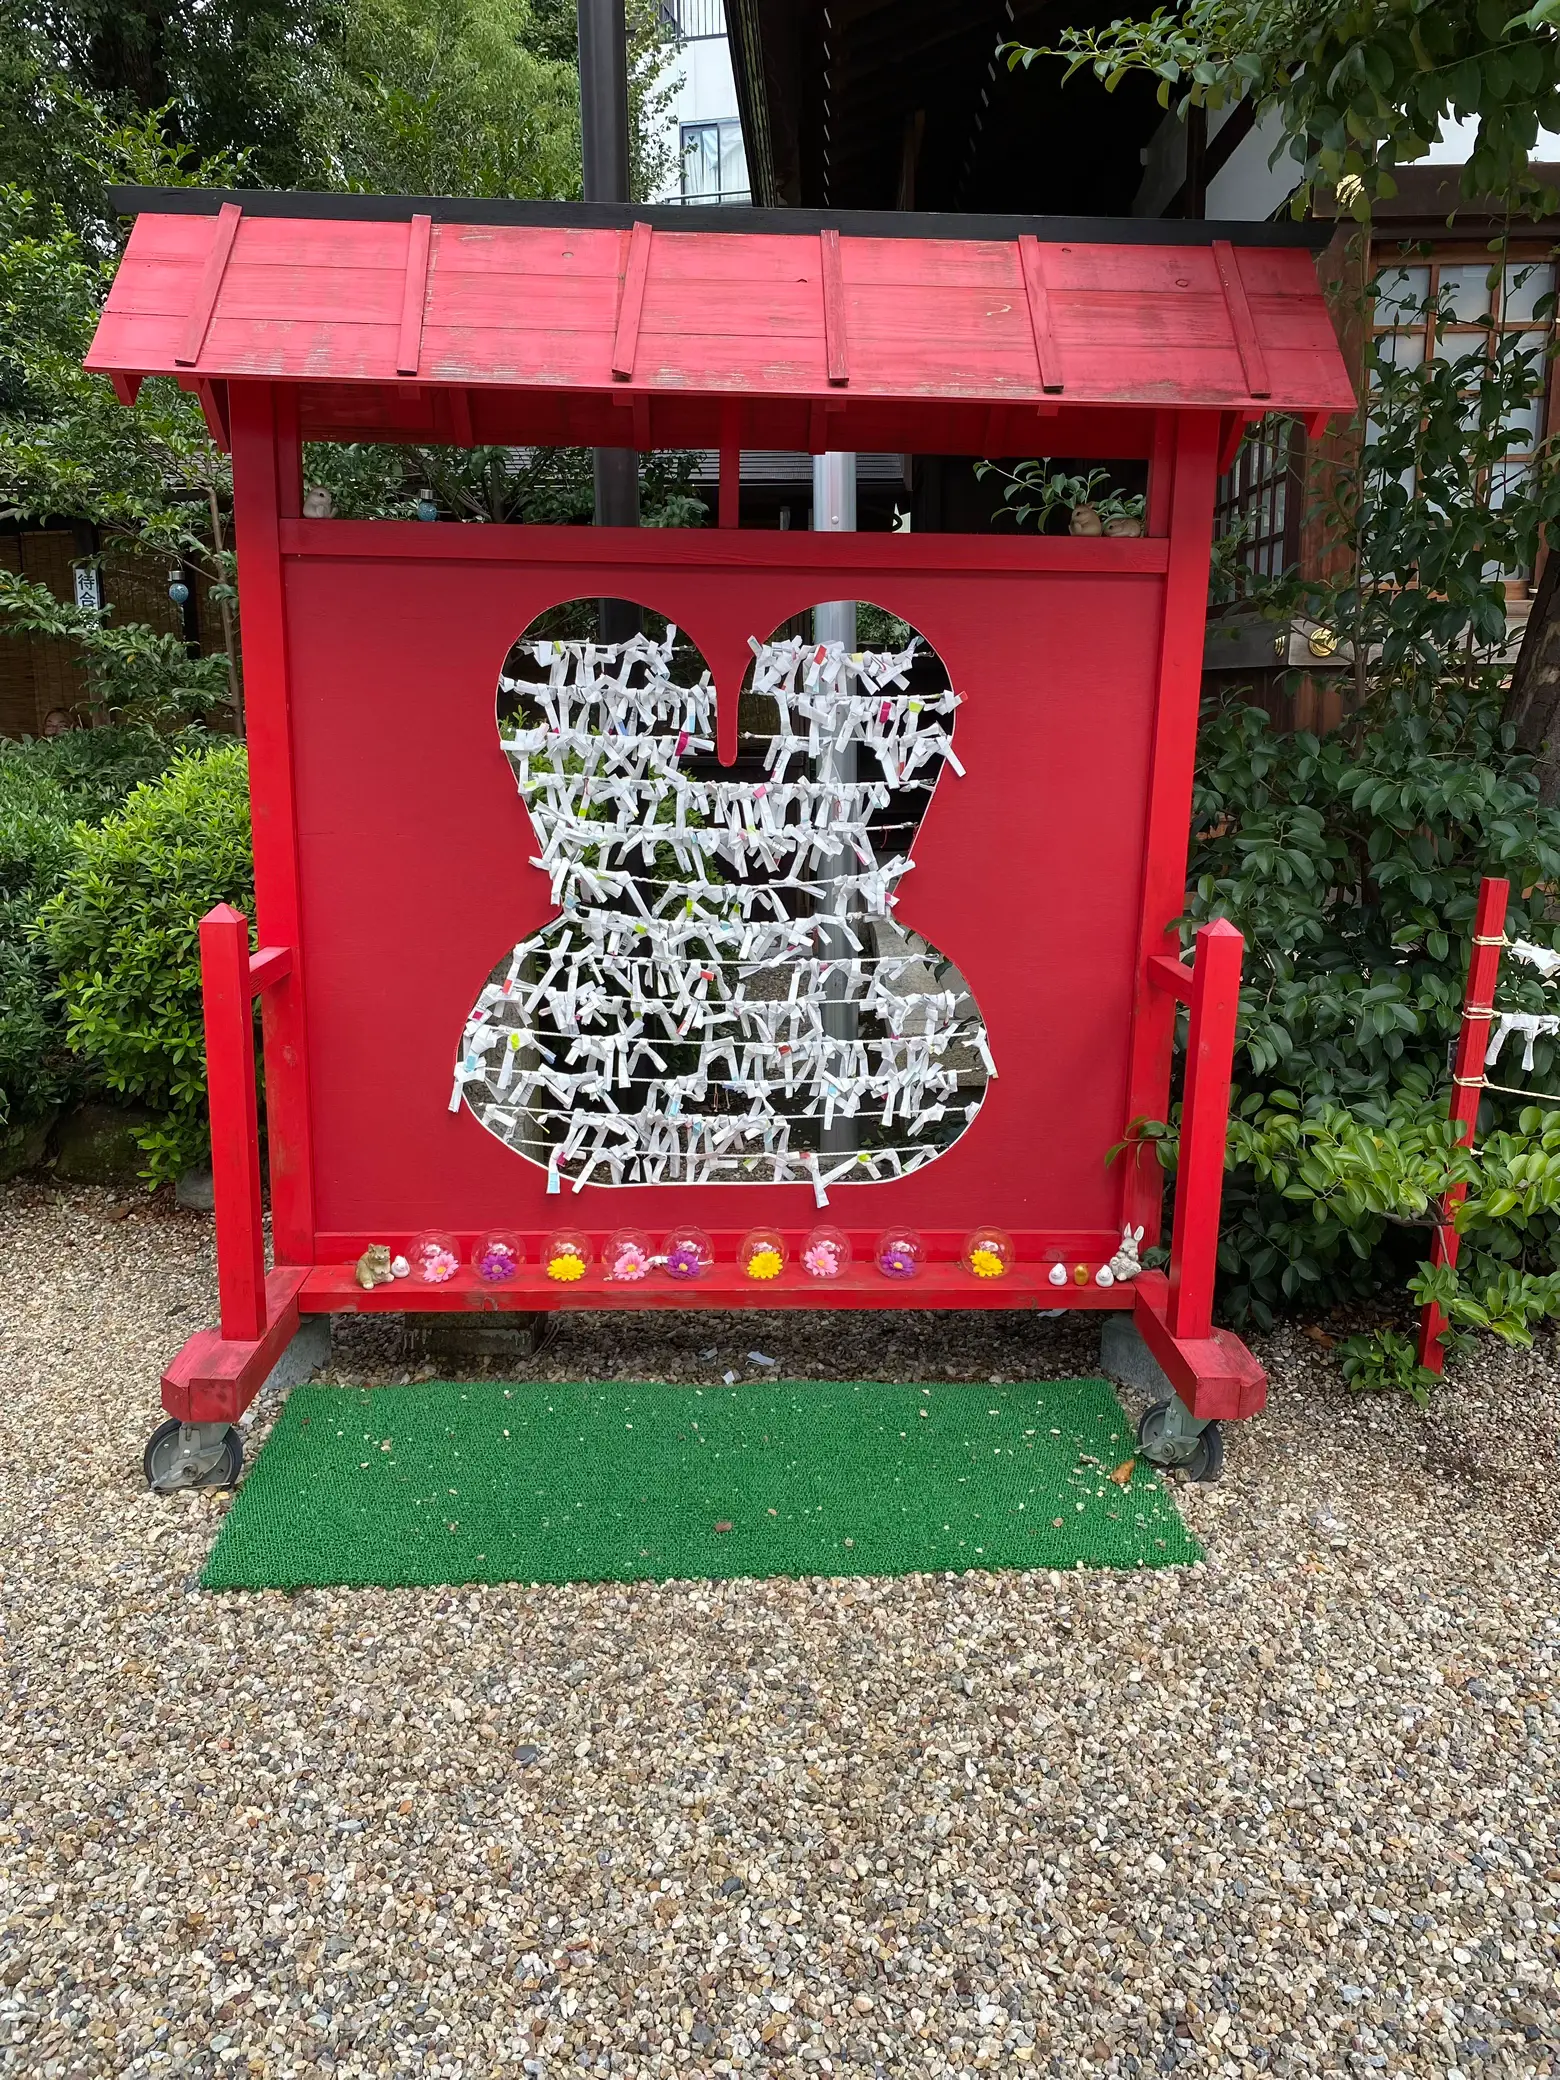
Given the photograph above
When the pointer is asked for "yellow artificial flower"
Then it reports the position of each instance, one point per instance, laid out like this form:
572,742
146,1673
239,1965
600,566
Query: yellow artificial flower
764,1263
567,1267
985,1263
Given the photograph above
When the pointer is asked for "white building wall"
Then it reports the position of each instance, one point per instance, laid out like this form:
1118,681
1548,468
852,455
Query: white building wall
705,94
1247,189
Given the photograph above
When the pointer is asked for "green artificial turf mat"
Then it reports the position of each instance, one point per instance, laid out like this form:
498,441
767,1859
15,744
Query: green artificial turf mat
441,1484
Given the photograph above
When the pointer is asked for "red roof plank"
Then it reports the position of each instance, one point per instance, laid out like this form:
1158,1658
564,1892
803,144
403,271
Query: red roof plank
223,234
1253,360
836,352
1039,303
908,323
415,297
635,276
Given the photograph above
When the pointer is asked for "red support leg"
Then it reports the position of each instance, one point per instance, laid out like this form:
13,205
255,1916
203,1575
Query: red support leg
1205,1111
235,1137
1489,936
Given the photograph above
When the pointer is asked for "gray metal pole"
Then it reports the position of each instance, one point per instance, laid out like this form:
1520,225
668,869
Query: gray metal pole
604,155
834,512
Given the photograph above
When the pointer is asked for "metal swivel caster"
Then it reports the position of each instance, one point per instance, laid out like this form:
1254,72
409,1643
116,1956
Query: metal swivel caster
192,1455
1169,1436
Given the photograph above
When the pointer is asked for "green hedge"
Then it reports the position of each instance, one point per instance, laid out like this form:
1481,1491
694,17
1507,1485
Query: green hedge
47,786
122,934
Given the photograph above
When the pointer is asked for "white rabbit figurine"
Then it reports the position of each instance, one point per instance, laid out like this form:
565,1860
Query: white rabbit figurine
1125,1264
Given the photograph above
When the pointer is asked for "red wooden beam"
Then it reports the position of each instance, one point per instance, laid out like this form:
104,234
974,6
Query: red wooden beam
271,965
1049,360
1205,1113
213,1380
1252,358
414,296
1215,1375
626,341
1172,975
1473,1035
235,1127
835,346
730,466
1161,474
214,409
210,284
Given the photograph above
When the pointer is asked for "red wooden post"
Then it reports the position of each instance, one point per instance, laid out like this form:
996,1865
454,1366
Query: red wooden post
1205,1113
1489,936
235,1134
1182,502
267,488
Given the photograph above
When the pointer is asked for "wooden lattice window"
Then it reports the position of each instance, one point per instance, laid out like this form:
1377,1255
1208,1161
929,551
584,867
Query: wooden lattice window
1445,306
1260,497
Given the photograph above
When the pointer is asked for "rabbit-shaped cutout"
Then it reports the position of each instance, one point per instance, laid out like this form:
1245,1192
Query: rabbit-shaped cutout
726,997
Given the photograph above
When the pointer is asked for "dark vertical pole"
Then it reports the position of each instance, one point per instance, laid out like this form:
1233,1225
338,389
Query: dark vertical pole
1195,190
604,153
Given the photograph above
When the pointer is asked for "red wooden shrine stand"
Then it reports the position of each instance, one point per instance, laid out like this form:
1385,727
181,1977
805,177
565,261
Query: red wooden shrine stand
391,851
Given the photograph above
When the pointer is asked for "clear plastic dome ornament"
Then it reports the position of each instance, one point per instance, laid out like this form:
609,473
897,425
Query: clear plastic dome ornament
566,1255
689,1253
434,1257
761,1254
628,1256
826,1252
988,1253
900,1253
497,1256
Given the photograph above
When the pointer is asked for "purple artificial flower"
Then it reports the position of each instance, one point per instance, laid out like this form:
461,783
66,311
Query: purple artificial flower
897,1263
496,1262
683,1261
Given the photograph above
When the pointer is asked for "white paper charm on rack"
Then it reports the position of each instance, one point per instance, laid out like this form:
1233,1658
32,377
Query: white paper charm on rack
726,997
1530,1024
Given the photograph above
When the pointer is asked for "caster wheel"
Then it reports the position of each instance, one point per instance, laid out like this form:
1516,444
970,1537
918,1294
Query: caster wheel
192,1455
1204,1461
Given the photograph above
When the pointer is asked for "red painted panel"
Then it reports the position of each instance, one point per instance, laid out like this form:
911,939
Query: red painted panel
413,857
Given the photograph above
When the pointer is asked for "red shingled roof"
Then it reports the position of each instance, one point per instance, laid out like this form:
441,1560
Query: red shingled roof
605,329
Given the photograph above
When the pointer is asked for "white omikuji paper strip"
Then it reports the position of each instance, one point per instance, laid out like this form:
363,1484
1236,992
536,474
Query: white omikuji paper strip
1530,1024
566,1054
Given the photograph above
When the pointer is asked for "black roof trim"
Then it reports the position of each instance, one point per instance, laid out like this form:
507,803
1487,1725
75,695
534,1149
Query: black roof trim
676,216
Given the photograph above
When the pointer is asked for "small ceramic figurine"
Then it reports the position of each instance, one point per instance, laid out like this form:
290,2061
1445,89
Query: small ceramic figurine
1125,1264
399,1268
1057,1274
373,1267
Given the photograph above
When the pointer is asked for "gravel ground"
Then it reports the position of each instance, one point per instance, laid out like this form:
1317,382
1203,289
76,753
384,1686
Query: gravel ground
1292,1811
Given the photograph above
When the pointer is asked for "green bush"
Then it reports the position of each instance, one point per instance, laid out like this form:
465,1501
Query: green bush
47,785
123,935
1352,864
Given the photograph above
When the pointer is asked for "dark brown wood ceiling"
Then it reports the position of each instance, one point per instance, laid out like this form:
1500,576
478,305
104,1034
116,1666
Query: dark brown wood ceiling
884,104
